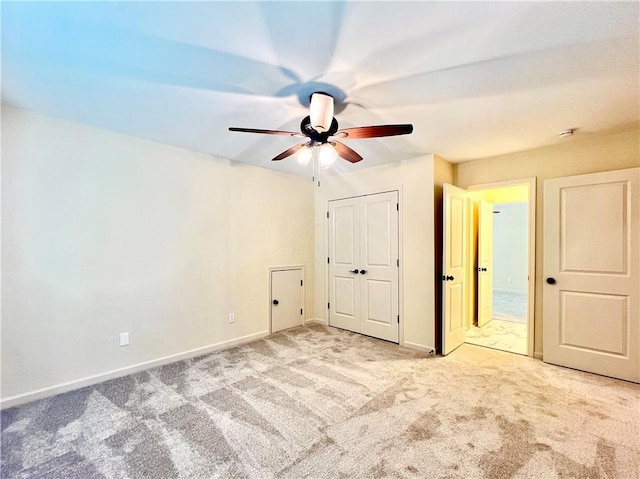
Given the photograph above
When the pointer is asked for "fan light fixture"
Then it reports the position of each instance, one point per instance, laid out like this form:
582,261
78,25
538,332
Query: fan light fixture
304,156
321,111
327,155
321,131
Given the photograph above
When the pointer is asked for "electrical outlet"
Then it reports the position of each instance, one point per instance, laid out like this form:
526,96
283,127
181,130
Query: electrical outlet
124,339
232,317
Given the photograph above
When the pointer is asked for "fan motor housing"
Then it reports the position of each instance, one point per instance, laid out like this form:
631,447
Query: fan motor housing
315,136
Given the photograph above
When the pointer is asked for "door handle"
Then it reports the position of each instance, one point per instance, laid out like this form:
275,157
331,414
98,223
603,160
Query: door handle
551,281
354,271
447,278
276,302
481,269
363,271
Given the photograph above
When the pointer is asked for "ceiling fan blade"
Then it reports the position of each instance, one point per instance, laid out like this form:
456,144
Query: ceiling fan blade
345,152
266,132
374,131
289,152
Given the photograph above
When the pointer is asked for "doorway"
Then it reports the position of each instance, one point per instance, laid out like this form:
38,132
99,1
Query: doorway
505,325
496,229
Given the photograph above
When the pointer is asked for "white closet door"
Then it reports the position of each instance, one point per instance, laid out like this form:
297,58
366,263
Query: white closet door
379,265
344,259
363,265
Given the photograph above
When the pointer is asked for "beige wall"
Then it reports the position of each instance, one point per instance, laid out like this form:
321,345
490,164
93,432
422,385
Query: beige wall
576,156
415,180
104,233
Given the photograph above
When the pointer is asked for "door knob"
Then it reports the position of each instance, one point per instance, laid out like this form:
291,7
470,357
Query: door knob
483,269
354,271
275,301
363,271
447,278
551,281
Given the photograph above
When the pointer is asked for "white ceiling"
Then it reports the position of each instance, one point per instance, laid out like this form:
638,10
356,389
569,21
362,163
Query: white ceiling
475,79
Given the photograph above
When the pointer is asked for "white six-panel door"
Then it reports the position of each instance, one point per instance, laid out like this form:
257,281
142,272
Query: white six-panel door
592,273
485,262
363,265
454,267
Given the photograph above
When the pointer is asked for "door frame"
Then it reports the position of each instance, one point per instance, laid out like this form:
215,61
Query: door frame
303,293
354,194
531,291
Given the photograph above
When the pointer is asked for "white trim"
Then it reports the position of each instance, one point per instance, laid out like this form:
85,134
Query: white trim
537,355
531,182
418,347
117,373
316,320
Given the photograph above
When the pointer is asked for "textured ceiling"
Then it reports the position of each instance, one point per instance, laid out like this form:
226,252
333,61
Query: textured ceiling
475,79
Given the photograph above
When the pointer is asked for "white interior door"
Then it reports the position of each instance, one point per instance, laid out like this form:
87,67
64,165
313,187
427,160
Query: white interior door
344,264
454,267
363,265
591,268
286,299
485,262
379,265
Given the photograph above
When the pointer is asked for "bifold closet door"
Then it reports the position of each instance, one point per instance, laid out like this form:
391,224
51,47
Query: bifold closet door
364,265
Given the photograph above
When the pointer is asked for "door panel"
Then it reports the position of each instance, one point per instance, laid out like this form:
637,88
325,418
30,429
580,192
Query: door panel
485,262
454,268
363,237
378,233
345,297
378,305
592,244
344,235
286,289
594,322
581,207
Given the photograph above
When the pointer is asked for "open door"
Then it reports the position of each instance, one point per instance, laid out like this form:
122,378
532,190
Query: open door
485,262
454,257
591,309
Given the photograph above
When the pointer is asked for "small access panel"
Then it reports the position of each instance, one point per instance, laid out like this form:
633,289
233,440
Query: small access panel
287,288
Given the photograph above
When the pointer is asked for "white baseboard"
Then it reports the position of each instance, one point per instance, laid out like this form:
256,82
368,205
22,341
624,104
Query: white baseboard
117,373
315,320
537,355
418,347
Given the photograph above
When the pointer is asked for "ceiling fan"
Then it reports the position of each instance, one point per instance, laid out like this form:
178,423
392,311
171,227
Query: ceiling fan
321,129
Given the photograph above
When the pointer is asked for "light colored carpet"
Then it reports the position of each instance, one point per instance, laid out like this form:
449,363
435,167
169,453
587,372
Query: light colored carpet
320,402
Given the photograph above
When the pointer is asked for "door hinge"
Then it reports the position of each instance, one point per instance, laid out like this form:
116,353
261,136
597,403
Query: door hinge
397,206
328,306
301,311
327,215
398,262
398,319
301,283
327,260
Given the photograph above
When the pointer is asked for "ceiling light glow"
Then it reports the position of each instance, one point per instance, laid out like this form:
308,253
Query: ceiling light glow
304,155
327,155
